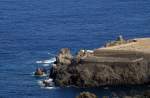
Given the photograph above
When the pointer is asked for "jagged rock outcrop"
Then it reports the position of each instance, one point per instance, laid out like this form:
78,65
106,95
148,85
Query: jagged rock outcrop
64,57
82,54
87,95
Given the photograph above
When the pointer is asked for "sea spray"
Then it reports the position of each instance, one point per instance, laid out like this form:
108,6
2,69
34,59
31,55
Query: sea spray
49,61
50,81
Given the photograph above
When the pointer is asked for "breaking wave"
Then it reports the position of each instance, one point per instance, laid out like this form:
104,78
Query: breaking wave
50,87
40,82
46,62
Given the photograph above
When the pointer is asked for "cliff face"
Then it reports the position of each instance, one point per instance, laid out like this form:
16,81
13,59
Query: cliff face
93,71
121,63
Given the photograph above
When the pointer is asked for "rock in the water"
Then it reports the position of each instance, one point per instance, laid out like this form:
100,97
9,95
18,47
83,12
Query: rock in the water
64,57
39,72
86,95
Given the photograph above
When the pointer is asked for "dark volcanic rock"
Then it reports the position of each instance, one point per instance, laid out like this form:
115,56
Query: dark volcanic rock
145,94
92,71
86,95
39,72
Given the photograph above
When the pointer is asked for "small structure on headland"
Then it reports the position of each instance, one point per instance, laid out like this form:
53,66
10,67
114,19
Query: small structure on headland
119,41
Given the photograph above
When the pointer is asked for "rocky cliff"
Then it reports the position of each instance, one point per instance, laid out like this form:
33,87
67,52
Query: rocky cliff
99,68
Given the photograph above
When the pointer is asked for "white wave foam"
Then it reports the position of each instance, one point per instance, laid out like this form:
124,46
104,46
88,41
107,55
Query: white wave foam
51,54
90,51
50,87
40,82
38,62
52,60
46,65
49,80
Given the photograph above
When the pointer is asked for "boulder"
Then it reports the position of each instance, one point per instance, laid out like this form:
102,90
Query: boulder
39,72
87,95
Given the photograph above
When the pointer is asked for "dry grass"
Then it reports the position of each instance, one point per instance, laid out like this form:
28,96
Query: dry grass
142,45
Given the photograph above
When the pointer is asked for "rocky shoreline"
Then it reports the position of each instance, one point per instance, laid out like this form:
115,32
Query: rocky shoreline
90,71
103,66
145,94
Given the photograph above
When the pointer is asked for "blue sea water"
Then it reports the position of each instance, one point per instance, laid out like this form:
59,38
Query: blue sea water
33,30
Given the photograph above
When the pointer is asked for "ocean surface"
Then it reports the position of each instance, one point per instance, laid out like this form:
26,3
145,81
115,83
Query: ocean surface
34,30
